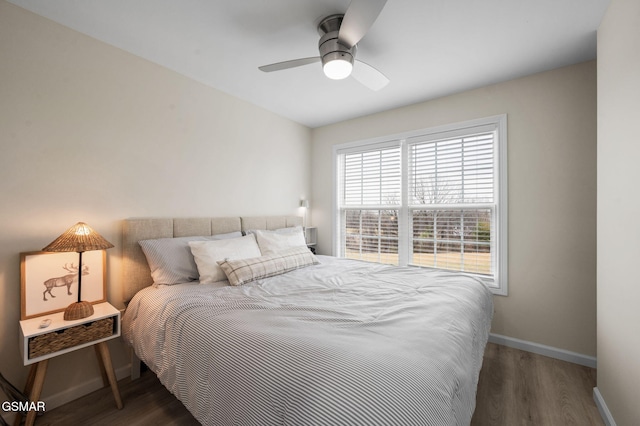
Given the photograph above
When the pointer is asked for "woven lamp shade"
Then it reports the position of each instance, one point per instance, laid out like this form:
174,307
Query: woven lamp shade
79,238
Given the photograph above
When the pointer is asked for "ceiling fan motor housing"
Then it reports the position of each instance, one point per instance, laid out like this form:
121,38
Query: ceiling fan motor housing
331,49
329,45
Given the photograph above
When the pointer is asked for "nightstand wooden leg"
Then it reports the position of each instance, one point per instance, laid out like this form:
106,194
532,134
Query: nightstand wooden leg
38,382
30,379
105,359
103,372
27,390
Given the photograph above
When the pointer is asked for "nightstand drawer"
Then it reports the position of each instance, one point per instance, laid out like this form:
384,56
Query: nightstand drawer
62,336
59,340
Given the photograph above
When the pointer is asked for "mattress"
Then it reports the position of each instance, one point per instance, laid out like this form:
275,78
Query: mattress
340,343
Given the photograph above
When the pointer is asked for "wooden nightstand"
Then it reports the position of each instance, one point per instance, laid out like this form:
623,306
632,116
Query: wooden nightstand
38,345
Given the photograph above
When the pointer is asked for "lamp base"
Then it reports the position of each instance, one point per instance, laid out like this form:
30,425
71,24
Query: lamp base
78,310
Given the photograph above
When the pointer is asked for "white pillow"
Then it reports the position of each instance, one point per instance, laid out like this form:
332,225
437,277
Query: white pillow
271,242
170,259
208,253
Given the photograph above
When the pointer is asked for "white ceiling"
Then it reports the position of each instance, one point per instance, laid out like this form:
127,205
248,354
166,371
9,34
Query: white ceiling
427,48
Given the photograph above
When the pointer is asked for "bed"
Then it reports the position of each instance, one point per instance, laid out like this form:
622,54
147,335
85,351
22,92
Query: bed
336,342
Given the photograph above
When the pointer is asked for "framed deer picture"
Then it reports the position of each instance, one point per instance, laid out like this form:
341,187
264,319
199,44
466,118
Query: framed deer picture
49,281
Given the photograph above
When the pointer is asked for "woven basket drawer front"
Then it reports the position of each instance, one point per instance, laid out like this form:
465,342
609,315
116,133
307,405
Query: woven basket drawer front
55,341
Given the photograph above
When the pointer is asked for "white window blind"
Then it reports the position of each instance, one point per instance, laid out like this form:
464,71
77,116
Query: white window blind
452,192
434,198
372,178
452,171
370,198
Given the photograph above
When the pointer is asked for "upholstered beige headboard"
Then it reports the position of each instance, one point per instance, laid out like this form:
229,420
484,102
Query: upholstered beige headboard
136,274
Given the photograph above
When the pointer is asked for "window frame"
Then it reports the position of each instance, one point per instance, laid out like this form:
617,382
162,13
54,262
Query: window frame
497,124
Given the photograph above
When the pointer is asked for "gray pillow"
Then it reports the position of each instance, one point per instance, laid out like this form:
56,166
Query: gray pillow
170,259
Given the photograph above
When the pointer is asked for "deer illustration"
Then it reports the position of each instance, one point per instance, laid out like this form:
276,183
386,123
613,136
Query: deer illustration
65,280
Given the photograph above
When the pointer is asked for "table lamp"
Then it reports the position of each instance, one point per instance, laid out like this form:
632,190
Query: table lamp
79,238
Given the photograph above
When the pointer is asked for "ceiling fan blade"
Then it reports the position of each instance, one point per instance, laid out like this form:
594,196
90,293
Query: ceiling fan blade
359,17
369,76
289,64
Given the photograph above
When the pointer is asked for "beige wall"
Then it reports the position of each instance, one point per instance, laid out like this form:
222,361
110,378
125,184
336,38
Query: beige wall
552,199
619,210
89,132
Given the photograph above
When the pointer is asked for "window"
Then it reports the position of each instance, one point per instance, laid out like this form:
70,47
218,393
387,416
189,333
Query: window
434,198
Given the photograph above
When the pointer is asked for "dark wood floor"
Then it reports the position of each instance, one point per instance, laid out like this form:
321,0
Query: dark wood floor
521,388
515,388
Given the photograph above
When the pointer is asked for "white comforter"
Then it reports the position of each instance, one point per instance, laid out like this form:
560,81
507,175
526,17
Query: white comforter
340,343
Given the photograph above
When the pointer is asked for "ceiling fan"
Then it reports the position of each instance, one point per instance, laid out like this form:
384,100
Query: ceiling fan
340,35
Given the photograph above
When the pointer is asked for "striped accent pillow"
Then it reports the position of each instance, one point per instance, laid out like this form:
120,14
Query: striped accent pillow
243,271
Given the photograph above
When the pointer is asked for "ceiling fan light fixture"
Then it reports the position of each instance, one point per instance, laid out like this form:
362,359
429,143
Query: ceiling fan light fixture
337,59
337,69
339,38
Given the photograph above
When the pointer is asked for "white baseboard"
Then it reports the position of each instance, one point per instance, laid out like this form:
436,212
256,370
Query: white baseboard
550,351
68,395
602,408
